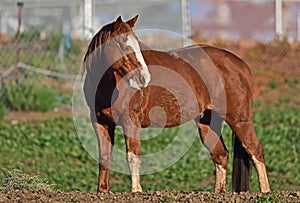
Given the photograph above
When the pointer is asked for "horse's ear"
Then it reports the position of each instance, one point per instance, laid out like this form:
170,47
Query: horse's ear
118,23
132,21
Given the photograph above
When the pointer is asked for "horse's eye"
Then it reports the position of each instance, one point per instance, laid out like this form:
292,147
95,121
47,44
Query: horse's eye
126,48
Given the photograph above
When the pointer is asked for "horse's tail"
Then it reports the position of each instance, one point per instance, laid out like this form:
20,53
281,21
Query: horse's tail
241,167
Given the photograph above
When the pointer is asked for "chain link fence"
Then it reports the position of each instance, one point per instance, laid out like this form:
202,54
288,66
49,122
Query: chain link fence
54,34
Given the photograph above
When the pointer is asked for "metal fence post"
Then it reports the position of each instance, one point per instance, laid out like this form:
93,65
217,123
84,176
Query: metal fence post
278,19
186,21
20,6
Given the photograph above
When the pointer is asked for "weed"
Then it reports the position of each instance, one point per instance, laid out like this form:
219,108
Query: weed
17,180
268,199
2,111
273,84
284,100
293,83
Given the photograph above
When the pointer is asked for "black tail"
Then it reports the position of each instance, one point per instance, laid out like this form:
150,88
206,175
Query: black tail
241,167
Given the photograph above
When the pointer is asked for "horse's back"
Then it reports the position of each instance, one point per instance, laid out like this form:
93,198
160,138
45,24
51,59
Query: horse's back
234,72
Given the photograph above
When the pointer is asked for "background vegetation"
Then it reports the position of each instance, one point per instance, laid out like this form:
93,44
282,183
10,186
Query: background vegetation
52,149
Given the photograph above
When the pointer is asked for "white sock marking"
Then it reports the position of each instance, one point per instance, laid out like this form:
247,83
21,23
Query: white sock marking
220,179
134,166
262,175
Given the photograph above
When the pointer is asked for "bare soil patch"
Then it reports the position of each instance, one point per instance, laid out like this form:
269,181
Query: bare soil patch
159,196
16,116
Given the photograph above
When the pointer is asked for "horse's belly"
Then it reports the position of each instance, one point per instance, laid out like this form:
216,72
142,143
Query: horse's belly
167,108
158,118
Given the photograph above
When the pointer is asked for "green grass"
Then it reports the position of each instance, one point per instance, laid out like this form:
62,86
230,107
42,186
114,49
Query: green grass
52,150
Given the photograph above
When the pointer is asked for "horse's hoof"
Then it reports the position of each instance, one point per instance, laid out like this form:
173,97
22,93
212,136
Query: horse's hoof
134,190
103,190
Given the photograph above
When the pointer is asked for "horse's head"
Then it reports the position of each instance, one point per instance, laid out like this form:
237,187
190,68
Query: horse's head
123,52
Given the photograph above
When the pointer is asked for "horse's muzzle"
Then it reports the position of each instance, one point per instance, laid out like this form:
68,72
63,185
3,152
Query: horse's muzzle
139,79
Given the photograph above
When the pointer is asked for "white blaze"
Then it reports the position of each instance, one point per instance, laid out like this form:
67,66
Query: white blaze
133,43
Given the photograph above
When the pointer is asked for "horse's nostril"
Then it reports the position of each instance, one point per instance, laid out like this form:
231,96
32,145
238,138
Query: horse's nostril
142,79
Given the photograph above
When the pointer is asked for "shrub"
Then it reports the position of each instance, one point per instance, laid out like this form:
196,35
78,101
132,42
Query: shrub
273,84
28,96
53,42
31,35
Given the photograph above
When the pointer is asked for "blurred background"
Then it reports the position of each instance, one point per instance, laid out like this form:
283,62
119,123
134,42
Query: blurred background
42,43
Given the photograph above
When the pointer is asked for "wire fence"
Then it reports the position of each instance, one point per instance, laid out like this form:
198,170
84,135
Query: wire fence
53,39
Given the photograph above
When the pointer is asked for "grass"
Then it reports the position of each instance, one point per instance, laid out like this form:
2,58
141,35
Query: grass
52,150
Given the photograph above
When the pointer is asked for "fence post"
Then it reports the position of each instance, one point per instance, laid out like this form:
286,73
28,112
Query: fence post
88,19
186,21
278,19
20,6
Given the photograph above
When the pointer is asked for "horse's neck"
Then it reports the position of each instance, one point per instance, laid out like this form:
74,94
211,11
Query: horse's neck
144,47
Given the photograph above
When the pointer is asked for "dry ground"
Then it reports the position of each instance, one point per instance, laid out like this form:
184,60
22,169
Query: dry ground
159,196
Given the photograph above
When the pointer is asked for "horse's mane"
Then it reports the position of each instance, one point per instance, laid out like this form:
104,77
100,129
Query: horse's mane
101,37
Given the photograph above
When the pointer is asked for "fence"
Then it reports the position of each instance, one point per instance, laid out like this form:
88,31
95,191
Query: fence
53,33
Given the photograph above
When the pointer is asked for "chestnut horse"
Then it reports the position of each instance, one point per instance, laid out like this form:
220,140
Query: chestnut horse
125,79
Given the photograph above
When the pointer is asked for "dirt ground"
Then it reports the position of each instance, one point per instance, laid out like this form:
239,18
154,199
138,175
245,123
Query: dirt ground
159,196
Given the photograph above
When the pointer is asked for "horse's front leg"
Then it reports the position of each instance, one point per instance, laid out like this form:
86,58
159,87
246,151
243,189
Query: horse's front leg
105,136
133,149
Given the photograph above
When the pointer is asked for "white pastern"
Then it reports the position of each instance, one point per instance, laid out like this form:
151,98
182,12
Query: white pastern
133,43
134,166
220,179
262,175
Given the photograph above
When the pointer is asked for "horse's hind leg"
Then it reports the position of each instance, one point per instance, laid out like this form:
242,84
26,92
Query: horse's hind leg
245,133
133,149
210,133
105,136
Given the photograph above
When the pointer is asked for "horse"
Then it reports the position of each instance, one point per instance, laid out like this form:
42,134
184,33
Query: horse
125,79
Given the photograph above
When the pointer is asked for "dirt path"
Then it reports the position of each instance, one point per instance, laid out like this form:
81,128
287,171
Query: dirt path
37,116
159,196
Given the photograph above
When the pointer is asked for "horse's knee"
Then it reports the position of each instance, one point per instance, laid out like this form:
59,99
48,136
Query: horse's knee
213,142
247,136
220,156
105,161
258,153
